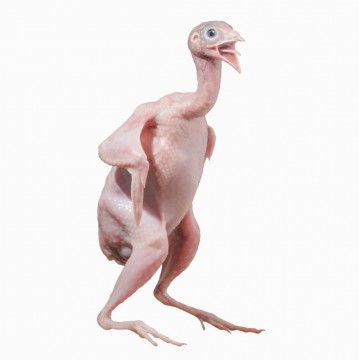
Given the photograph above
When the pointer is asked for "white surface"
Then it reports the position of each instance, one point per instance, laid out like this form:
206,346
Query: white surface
278,203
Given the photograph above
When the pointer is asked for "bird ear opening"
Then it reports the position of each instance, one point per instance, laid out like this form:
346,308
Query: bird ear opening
194,37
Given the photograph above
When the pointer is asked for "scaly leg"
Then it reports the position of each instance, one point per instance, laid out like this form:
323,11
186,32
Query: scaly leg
184,243
142,264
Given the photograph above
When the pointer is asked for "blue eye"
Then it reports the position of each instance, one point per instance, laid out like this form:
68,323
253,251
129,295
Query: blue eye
211,33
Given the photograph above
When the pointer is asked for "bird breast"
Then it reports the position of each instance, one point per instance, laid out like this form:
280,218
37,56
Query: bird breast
176,151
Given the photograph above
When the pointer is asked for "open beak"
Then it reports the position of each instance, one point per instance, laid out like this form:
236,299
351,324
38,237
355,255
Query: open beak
226,50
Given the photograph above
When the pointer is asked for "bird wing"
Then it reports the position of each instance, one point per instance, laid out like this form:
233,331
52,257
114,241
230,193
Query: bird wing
124,149
210,142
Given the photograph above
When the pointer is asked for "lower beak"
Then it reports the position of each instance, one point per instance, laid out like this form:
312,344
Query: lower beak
226,50
230,56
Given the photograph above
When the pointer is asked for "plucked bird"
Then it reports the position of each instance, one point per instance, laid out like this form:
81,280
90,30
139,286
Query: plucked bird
145,213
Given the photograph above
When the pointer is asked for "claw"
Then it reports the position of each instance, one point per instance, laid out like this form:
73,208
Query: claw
202,323
144,331
221,324
138,327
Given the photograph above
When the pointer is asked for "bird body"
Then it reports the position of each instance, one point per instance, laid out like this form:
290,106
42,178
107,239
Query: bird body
157,156
173,177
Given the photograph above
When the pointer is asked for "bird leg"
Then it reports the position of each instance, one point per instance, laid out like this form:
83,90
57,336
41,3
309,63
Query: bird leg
183,243
142,264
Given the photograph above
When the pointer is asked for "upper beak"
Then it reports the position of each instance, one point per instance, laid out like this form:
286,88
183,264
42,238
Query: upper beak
226,51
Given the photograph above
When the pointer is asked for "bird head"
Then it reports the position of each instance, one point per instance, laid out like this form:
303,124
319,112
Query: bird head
215,39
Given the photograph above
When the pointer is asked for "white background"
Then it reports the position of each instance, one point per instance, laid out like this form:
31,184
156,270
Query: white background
278,203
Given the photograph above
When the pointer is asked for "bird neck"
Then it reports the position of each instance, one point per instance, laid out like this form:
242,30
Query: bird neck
209,80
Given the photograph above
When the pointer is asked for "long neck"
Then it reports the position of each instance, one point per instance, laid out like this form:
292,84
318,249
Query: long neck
209,80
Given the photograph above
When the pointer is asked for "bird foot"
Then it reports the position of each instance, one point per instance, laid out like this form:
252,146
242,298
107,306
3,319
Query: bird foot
138,327
204,316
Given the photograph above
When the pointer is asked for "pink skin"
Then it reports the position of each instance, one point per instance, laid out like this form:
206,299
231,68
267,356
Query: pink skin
145,210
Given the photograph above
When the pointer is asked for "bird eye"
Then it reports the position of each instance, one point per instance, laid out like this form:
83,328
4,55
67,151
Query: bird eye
211,33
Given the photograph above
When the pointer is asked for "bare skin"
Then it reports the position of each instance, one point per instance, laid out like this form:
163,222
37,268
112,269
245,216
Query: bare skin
157,156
